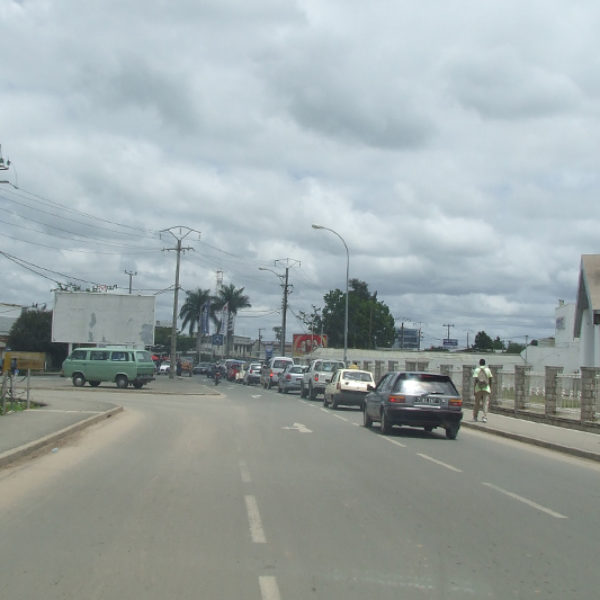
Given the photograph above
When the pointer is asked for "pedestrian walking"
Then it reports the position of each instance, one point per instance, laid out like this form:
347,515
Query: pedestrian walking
482,381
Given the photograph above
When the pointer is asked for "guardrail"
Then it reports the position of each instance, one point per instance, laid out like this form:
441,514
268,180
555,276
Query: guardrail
551,396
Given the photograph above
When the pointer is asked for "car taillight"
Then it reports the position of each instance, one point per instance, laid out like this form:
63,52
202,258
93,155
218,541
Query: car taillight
270,373
455,402
288,376
316,377
399,399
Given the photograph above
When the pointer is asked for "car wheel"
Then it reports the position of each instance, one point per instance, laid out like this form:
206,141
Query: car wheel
428,428
94,383
452,431
284,390
137,385
367,421
78,380
312,393
302,391
121,381
325,400
384,424
333,402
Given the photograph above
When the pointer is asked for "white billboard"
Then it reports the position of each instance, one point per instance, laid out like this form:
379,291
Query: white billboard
97,318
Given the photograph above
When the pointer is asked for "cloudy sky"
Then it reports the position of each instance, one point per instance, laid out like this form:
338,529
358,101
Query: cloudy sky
452,144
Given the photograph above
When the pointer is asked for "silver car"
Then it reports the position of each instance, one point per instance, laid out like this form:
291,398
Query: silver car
291,379
252,373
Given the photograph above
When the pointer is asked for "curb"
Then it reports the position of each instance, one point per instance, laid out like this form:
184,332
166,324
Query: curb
536,442
11,455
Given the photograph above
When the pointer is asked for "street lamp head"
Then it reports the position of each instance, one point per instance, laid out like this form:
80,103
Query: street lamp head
318,226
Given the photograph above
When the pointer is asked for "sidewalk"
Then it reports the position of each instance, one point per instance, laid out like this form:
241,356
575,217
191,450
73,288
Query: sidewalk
562,439
66,411
23,433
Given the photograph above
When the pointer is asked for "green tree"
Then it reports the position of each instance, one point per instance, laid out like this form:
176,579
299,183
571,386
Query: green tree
498,344
32,332
277,332
191,313
514,348
370,322
234,299
483,342
312,321
162,341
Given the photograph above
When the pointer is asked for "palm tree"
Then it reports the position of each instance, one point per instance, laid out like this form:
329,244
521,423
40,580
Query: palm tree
191,313
234,299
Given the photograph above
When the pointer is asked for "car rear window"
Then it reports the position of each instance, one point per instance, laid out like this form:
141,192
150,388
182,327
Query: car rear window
296,370
280,364
413,385
357,376
331,366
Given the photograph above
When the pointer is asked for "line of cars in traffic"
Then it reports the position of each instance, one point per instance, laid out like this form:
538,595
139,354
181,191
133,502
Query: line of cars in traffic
415,399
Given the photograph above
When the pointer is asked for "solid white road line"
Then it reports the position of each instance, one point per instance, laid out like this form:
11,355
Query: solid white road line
244,472
341,418
256,529
269,590
439,462
525,501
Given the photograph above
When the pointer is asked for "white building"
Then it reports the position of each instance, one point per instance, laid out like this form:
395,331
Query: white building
587,311
562,351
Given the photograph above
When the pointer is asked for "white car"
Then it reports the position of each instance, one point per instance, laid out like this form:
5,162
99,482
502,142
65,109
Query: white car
164,369
349,387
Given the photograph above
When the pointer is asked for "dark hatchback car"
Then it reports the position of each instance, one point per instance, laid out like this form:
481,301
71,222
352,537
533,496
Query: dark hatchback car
425,400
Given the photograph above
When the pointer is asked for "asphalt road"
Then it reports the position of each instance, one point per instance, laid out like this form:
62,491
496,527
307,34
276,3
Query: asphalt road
256,495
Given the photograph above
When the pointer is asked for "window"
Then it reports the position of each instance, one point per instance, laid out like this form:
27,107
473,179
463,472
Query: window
120,355
78,354
98,355
425,384
357,376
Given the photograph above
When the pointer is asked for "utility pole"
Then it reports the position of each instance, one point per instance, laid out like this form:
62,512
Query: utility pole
286,291
289,262
179,232
259,339
131,274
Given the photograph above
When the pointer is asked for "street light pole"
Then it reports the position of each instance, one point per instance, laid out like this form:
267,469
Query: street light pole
347,277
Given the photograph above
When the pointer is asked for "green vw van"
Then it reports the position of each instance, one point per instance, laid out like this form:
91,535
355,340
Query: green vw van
124,366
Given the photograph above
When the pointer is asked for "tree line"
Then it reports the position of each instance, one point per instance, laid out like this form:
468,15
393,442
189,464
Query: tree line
371,324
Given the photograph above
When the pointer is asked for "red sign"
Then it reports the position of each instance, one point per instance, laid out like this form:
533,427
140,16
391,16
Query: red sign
306,343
